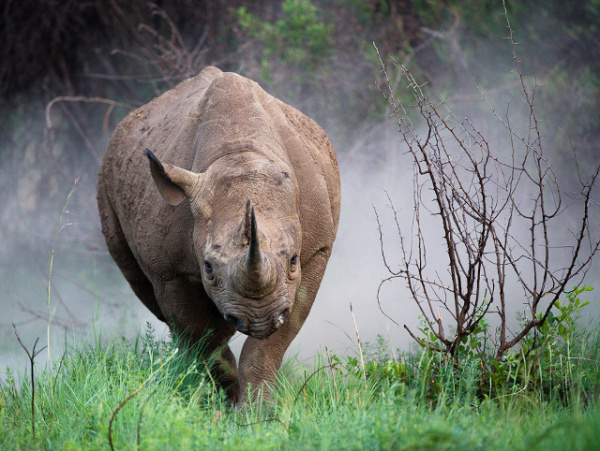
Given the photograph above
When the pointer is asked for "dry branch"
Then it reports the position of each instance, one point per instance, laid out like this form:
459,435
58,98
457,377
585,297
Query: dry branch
481,202
102,100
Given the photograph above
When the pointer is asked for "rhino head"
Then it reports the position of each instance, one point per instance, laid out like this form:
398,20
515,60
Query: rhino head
250,272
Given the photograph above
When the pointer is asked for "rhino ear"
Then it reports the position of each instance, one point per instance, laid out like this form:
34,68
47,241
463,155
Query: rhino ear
174,184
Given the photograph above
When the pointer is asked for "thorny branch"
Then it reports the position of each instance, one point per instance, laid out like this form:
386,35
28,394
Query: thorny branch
482,203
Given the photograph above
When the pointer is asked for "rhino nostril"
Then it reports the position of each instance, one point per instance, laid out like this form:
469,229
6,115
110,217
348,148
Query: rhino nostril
235,322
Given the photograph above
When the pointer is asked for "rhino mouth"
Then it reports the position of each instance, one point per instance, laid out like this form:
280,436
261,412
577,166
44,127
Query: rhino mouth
259,330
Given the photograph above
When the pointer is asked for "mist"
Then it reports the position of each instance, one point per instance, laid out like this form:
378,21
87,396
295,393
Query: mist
90,300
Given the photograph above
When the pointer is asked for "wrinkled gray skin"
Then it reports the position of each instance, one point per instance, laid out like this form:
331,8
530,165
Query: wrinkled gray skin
226,222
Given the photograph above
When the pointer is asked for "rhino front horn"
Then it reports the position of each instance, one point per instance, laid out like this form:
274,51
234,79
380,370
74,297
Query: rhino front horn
254,256
256,276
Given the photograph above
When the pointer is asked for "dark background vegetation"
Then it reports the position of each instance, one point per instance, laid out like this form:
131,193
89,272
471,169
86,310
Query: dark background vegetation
71,69
320,59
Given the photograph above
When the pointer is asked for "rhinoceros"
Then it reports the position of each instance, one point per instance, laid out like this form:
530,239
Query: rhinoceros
248,249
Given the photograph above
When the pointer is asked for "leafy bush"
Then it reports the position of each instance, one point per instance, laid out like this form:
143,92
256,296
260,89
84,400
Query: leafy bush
546,362
299,40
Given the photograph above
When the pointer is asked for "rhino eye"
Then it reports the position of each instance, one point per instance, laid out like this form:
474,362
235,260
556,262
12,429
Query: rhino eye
294,260
208,269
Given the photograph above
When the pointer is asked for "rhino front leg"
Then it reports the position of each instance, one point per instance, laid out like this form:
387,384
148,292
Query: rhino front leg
260,359
195,319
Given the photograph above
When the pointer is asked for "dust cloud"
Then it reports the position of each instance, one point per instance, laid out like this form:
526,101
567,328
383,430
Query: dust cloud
89,299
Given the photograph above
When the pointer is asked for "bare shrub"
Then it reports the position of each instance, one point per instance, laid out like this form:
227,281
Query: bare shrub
163,53
482,200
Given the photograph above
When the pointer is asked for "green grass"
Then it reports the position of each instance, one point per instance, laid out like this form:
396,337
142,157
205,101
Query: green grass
176,406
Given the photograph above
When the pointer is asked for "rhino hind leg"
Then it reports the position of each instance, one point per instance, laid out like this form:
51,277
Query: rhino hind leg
260,359
139,283
122,255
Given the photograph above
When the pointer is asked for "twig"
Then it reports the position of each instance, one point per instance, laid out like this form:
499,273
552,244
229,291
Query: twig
132,395
265,420
119,407
306,382
31,355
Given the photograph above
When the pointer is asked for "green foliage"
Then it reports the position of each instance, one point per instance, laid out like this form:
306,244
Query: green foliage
542,363
475,345
558,328
300,39
415,401
75,400
580,114
549,365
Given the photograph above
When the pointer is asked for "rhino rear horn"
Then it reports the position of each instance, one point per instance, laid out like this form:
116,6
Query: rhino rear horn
246,225
174,183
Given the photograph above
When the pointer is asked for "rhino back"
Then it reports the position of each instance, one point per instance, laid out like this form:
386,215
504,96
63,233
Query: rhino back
318,172
192,125
238,114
